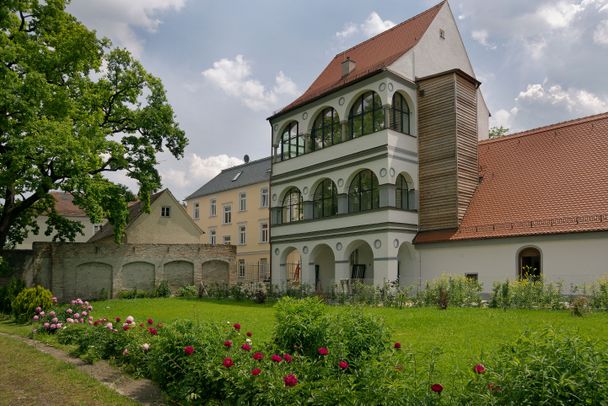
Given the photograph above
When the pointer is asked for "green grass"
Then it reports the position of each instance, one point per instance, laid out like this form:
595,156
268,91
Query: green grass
29,377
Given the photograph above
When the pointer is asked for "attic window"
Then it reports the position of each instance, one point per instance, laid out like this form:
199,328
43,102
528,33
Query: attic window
441,34
237,176
165,211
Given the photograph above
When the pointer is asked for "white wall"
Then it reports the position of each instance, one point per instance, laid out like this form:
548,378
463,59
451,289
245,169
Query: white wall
88,231
579,258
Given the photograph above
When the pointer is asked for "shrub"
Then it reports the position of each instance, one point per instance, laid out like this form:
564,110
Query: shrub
25,304
598,297
8,294
76,312
162,290
528,294
187,291
579,306
460,290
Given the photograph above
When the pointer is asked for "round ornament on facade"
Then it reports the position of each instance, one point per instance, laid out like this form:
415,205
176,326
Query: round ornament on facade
395,243
390,86
382,87
304,116
392,172
305,190
377,243
340,182
274,197
276,251
276,127
339,246
382,172
341,101
305,249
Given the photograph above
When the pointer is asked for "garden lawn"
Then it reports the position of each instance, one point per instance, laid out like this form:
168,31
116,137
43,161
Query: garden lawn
29,377
461,336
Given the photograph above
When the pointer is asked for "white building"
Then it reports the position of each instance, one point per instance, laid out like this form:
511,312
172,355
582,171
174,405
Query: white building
380,173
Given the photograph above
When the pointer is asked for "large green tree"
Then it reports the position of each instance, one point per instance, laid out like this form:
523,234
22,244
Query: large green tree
71,110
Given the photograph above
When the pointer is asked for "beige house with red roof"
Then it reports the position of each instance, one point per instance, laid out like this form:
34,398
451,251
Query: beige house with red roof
382,171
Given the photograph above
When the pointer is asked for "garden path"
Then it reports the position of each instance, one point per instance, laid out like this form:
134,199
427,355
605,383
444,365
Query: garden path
140,390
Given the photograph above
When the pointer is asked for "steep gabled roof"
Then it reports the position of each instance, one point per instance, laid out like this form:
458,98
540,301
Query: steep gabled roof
250,174
64,205
369,56
548,180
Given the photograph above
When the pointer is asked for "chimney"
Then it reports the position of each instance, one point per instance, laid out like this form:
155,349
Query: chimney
348,66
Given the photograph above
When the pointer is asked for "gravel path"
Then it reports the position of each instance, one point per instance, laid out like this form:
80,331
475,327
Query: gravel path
141,390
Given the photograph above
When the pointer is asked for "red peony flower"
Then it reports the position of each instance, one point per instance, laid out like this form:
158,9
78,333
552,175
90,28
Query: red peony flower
323,351
256,371
479,369
343,364
152,331
125,327
287,357
246,347
236,326
397,346
258,356
228,362
189,350
117,319
150,321
290,380
276,358
141,324
249,334
228,343
437,387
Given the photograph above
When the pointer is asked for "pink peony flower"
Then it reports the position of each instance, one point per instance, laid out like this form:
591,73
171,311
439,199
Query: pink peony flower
290,380
437,387
69,311
125,352
54,299
81,320
188,350
276,358
246,347
288,358
52,313
53,326
323,351
76,315
59,325
69,320
258,356
397,345
109,326
249,334
236,326
479,369
38,309
36,318
256,371
54,320
343,364
90,308
42,314
228,362
130,319
84,314
228,343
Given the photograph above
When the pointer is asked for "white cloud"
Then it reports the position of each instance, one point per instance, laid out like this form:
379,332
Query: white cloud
203,169
535,47
481,36
504,118
575,100
233,76
117,19
560,14
373,25
600,35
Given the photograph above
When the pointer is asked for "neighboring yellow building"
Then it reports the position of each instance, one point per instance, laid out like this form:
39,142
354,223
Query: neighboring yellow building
233,208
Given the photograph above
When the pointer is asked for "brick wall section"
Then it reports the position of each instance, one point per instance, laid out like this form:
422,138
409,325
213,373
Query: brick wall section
96,270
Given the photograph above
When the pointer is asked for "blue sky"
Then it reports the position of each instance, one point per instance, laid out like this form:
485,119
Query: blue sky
227,65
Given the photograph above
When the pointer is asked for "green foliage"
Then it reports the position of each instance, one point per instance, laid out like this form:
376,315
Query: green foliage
496,132
25,304
163,290
187,291
72,109
8,294
457,290
528,294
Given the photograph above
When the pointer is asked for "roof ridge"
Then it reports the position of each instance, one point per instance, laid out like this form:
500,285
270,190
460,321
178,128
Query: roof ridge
548,127
246,163
393,28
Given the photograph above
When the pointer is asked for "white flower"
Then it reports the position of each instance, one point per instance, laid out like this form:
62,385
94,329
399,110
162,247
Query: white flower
145,347
109,326
248,341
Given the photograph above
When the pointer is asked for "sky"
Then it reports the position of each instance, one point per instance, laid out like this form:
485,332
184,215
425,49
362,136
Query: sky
228,65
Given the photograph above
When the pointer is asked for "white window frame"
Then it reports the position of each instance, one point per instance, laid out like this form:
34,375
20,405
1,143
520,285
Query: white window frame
262,232
165,211
264,201
212,236
196,213
227,213
242,234
242,201
212,208
242,269
226,240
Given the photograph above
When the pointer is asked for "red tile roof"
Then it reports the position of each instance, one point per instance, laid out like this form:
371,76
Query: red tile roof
369,56
64,205
548,180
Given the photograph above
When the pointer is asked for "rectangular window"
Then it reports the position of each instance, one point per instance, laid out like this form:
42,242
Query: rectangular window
96,227
264,232
212,208
242,201
227,240
242,235
212,236
241,268
264,197
196,213
165,211
227,214
263,265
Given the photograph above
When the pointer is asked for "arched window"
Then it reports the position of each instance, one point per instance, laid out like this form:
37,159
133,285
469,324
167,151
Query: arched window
404,194
363,192
325,200
292,144
292,206
326,129
401,114
366,116
529,264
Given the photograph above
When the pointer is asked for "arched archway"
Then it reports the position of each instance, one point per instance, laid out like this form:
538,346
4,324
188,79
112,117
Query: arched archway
361,262
216,272
291,265
529,264
137,275
91,280
178,274
323,263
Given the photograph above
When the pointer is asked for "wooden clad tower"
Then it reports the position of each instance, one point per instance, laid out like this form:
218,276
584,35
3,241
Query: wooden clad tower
447,148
